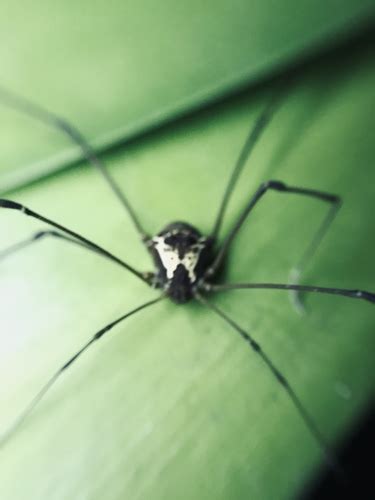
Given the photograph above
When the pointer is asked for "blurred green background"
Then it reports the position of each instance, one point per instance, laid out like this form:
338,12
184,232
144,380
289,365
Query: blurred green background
172,404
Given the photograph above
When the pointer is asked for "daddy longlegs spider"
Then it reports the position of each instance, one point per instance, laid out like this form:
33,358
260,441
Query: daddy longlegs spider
186,262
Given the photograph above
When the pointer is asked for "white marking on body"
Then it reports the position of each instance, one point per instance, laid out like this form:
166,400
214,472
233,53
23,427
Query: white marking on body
170,258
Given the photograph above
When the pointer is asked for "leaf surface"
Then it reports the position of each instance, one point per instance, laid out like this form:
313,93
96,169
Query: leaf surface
172,404
116,69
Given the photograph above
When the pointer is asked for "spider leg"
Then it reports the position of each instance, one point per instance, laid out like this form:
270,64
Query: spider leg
302,411
352,294
255,132
39,236
298,269
332,199
30,407
37,112
8,204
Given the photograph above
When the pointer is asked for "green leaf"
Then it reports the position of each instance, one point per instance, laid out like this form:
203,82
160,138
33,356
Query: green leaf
173,404
117,69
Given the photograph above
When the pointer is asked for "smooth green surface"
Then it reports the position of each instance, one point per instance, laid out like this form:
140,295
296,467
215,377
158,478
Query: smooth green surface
173,405
116,68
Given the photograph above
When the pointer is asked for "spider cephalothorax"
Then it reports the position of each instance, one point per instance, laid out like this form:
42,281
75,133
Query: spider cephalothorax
181,255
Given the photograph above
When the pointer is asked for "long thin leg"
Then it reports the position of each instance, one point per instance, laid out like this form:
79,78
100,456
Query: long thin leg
17,206
280,187
39,113
298,269
352,294
29,408
252,138
304,414
39,236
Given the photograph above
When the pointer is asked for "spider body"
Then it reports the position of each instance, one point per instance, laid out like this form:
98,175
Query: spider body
181,256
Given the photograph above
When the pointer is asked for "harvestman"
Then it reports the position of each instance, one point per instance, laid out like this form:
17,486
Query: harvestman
185,261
